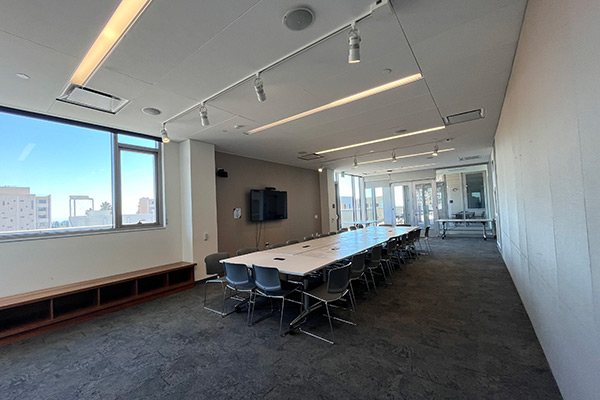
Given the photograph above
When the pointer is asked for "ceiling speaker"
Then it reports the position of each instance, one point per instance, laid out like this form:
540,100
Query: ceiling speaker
298,19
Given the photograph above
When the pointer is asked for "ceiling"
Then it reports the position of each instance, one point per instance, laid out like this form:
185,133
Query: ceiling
181,52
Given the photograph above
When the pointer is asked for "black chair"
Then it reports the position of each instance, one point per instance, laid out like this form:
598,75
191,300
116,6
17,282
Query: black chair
239,280
332,233
268,284
338,281
246,250
291,242
388,253
352,228
425,238
357,272
359,226
343,230
374,262
216,271
321,235
307,238
274,246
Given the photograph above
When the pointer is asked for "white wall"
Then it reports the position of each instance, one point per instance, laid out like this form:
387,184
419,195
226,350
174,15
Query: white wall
198,203
549,187
38,264
329,211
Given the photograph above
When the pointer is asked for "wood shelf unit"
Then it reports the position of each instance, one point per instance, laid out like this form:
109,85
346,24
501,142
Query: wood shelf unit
28,314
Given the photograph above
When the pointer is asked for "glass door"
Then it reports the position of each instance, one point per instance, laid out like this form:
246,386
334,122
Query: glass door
402,204
424,205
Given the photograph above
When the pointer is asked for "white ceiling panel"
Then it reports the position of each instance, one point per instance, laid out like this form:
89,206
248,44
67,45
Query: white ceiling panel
68,26
47,77
169,32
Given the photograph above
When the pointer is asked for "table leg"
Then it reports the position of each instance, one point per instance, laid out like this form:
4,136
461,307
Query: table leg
443,230
484,232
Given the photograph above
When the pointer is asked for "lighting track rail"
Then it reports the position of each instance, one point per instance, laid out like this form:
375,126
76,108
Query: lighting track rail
274,64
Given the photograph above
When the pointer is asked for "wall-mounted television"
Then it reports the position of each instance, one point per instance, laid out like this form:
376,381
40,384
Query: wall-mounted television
267,205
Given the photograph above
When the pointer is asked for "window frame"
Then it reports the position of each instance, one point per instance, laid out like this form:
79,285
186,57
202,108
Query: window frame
116,147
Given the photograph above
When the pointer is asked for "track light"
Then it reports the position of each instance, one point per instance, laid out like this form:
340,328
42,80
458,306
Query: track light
320,169
394,156
435,150
354,45
355,162
165,135
259,88
204,115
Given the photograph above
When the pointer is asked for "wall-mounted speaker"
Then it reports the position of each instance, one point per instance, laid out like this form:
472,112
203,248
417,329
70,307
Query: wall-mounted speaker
221,173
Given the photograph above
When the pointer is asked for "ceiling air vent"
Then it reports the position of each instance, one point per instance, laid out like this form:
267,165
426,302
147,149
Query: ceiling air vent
310,157
469,158
90,98
465,116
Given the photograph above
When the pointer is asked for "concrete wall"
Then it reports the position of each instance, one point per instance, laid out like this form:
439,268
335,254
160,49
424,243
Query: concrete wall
41,263
548,185
302,186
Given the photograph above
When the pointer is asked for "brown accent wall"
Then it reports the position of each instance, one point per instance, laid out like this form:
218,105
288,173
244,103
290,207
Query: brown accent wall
301,185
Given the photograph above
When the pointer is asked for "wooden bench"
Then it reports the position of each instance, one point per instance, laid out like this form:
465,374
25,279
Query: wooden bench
28,314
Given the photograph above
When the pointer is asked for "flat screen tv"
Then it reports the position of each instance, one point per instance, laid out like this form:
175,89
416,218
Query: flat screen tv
267,205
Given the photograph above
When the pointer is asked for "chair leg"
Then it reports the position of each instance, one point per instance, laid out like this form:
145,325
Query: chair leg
352,297
373,279
281,316
329,318
251,304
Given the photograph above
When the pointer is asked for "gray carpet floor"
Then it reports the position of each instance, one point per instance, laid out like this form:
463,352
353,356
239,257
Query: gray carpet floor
450,326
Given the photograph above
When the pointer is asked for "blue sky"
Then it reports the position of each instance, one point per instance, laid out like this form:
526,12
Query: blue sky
61,160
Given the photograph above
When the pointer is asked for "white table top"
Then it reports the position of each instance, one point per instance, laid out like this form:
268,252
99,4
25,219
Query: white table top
465,220
306,257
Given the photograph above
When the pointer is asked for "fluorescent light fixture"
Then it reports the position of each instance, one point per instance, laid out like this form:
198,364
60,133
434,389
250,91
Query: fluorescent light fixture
341,102
350,146
386,171
123,18
394,158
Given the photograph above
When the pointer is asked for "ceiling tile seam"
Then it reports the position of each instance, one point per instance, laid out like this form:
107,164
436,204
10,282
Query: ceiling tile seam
38,44
212,38
416,61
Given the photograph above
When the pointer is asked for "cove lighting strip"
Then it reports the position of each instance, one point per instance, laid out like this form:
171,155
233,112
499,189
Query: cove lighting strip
406,156
387,171
341,102
122,19
350,146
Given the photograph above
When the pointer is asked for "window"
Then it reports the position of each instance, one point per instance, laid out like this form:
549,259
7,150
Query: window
67,171
475,194
349,199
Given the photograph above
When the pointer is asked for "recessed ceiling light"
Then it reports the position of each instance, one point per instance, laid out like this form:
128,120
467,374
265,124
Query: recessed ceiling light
371,151
151,111
341,102
298,18
387,71
23,76
350,146
239,126
119,23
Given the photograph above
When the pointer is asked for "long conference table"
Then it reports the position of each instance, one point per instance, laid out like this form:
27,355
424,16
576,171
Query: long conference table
304,258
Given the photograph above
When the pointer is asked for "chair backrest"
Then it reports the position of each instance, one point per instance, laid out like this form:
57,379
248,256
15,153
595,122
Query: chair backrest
307,238
417,234
385,225
352,228
236,274
293,241
376,253
392,245
246,250
214,265
427,232
404,241
338,278
403,225
332,233
360,226
343,230
358,262
274,246
266,278
320,235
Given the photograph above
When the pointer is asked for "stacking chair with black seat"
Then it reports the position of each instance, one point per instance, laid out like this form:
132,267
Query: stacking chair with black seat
388,254
359,226
321,235
291,242
425,238
246,250
337,286
239,280
332,233
216,272
343,230
268,284
307,238
357,272
276,245
374,262
352,228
